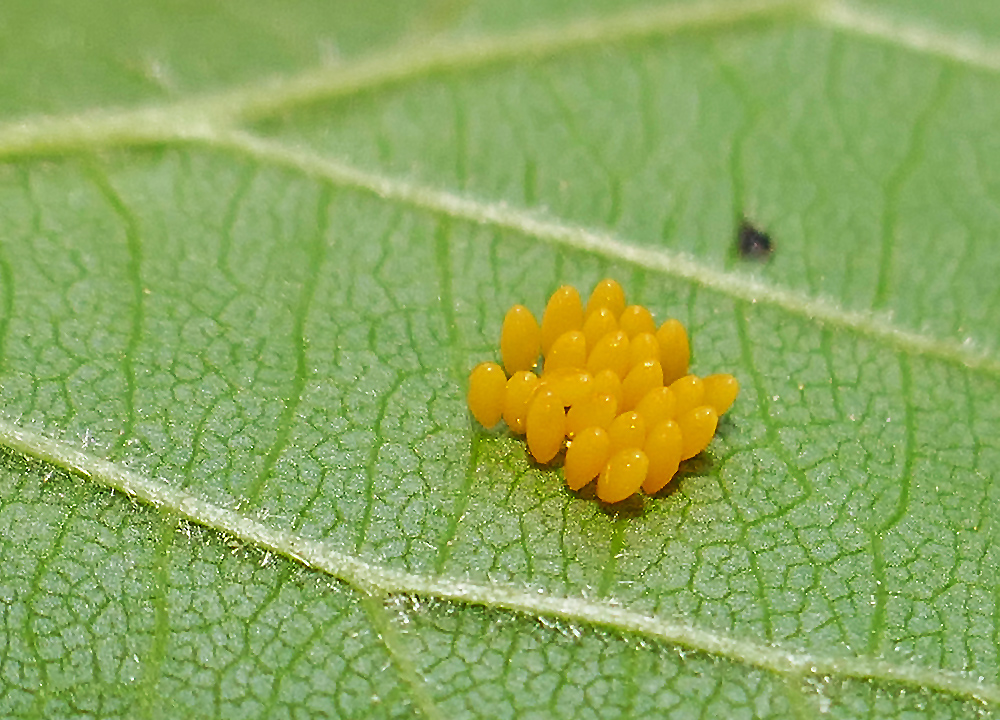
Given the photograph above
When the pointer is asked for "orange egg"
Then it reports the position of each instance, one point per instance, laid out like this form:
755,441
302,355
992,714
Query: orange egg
594,411
570,384
636,319
643,348
520,340
663,448
675,351
607,294
517,396
610,353
697,428
623,475
598,324
657,405
689,392
545,425
569,351
720,391
586,457
564,312
607,382
627,430
639,382
487,384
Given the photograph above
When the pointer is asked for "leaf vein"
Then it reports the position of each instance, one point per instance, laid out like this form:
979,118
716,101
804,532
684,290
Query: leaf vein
40,134
963,49
153,123
133,269
375,610
317,254
376,582
822,310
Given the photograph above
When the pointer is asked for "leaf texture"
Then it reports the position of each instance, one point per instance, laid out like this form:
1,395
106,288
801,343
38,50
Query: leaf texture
246,267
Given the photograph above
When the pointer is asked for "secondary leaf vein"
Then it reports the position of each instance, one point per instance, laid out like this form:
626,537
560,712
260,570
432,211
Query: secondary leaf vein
822,310
376,581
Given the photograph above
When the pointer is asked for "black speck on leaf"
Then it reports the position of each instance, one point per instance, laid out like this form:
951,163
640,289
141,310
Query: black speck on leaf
753,243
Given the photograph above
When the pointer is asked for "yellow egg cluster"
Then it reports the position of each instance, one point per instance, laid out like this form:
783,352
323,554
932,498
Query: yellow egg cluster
612,384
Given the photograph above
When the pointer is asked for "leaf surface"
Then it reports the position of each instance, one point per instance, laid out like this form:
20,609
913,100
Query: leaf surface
248,257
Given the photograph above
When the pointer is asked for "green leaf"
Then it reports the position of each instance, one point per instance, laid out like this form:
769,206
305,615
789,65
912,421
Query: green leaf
250,252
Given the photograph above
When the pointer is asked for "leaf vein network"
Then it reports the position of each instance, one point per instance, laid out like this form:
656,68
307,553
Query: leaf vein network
375,582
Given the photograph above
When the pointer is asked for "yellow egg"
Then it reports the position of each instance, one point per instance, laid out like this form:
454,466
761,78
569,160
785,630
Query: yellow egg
520,388
675,351
563,313
611,352
623,475
642,348
627,430
689,392
598,324
720,391
487,384
569,351
639,382
608,294
520,340
545,425
663,448
658,405
570,384
607,382
636,319
586,457
697,428
592,411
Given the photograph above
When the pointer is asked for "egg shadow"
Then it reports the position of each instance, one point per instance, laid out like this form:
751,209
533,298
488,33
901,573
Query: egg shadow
631,507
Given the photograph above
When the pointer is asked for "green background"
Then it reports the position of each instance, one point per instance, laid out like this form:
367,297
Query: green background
249,252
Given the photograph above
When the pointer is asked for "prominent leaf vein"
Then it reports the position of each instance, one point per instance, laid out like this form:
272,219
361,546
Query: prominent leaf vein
960,48
193,117
375,581
822,310
156,122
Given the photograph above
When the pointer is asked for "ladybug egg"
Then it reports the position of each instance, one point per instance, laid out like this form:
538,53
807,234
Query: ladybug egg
545,425
569,351
720,391
607,294
658,405
640,381
563,313
487,384
593,411
569,384
689,391
610,353
586,457
623,475
600,323
520,340
663,448
697,428
607,382
628,430
636,319
520,388
643,347
675,351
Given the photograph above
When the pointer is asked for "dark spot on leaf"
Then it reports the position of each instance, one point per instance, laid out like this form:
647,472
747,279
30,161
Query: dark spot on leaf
752,242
